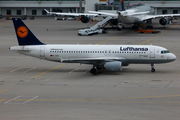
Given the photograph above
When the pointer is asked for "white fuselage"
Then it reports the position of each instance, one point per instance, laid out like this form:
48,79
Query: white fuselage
88,54
135,15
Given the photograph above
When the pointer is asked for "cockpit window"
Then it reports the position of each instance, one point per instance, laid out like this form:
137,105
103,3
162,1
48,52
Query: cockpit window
164,52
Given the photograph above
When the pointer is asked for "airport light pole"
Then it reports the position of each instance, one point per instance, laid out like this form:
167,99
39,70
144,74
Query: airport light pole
128,4
80,6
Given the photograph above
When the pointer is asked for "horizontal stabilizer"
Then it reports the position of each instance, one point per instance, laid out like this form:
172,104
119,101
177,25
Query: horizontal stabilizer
17,48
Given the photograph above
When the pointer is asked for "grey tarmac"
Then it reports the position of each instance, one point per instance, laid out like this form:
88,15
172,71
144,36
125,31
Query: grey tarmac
34,89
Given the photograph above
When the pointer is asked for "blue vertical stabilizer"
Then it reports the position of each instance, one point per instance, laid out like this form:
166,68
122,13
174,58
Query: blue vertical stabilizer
23,33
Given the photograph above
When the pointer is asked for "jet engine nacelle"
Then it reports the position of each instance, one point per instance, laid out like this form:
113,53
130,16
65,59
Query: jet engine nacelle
85,19
113,66
163,21
114,21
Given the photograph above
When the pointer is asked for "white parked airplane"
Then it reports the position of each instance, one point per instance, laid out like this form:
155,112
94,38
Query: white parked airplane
109,57
143,13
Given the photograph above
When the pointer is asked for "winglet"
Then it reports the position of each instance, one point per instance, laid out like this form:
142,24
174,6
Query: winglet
50,13
23,33
47,11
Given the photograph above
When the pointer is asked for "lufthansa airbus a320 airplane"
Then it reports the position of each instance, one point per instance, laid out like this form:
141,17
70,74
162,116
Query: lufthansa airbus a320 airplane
108,57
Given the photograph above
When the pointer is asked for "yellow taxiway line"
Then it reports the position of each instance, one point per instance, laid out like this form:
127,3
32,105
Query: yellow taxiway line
157,36
3,90
108,40
48,71
2,100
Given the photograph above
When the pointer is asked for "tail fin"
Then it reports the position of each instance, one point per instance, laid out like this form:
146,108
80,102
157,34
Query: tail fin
23,33
122,5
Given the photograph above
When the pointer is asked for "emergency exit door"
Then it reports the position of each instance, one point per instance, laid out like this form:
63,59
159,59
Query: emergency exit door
42,52
152,52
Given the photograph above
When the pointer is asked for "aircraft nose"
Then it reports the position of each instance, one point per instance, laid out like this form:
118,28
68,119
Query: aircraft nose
173,57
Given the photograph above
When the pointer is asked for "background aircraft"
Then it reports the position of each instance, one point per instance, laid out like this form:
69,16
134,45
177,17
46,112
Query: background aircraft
108,57
142,13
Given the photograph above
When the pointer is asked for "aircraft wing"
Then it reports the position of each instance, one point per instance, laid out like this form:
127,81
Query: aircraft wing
104,13
70,14
94,60
146,17
19,48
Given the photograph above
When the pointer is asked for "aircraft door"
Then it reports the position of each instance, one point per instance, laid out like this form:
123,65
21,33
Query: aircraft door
42,52
152,52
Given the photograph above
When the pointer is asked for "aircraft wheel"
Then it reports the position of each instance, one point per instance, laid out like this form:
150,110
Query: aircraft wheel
119,29
153,70
98,68
93,71
149,27
134,27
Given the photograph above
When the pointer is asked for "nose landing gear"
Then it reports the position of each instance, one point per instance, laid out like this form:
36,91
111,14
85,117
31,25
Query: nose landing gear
152,68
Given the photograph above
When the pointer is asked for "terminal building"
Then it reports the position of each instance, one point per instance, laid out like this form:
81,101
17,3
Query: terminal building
36,7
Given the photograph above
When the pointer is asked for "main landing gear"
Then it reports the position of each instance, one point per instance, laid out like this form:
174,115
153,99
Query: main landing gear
152,68
93,70
135,27
149,22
